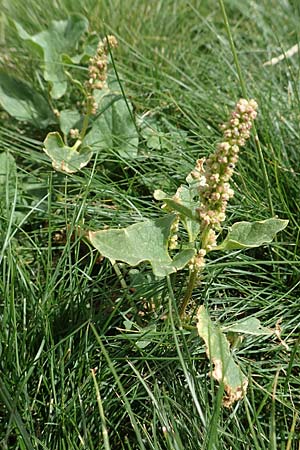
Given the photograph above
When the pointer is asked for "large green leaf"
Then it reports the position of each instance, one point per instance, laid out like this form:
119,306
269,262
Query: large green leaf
145,241
114,129
61,37
226,370
65,159
21,101
252,234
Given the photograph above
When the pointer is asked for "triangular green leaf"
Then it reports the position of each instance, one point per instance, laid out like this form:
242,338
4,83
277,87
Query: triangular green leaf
226,370
65,159
61,37
252,234
88,51
141,336
114,128
145,241
250,325
24,103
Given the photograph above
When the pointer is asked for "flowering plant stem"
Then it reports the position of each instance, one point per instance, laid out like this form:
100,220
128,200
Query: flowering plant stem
97,79
194,277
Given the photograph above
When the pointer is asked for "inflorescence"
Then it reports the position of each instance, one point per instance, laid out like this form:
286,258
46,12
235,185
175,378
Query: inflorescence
214,174
98,70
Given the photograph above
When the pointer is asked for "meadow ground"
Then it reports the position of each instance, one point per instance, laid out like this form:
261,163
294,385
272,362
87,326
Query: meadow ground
71,375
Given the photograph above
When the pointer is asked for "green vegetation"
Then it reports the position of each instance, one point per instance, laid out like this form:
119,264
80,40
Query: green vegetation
91,354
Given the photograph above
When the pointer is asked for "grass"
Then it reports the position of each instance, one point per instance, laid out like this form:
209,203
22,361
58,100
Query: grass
71,376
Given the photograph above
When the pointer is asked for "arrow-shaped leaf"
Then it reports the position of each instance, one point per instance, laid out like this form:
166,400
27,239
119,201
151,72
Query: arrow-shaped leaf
145,241
249,325
252,234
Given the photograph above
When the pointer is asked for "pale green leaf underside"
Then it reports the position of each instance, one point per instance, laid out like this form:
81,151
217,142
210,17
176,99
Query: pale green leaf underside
252,234
65,159
145,241
226,370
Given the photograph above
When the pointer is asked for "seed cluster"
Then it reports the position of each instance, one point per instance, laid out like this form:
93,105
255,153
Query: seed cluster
98,70
213,176
215,172
173,240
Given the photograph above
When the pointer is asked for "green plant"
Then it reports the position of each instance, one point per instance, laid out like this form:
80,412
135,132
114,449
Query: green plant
175,64
200,208
102,117
104,120
70,159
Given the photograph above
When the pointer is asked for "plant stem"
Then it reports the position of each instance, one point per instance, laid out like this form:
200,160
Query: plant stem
194,275
85,123
120,276
77,144
189,290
